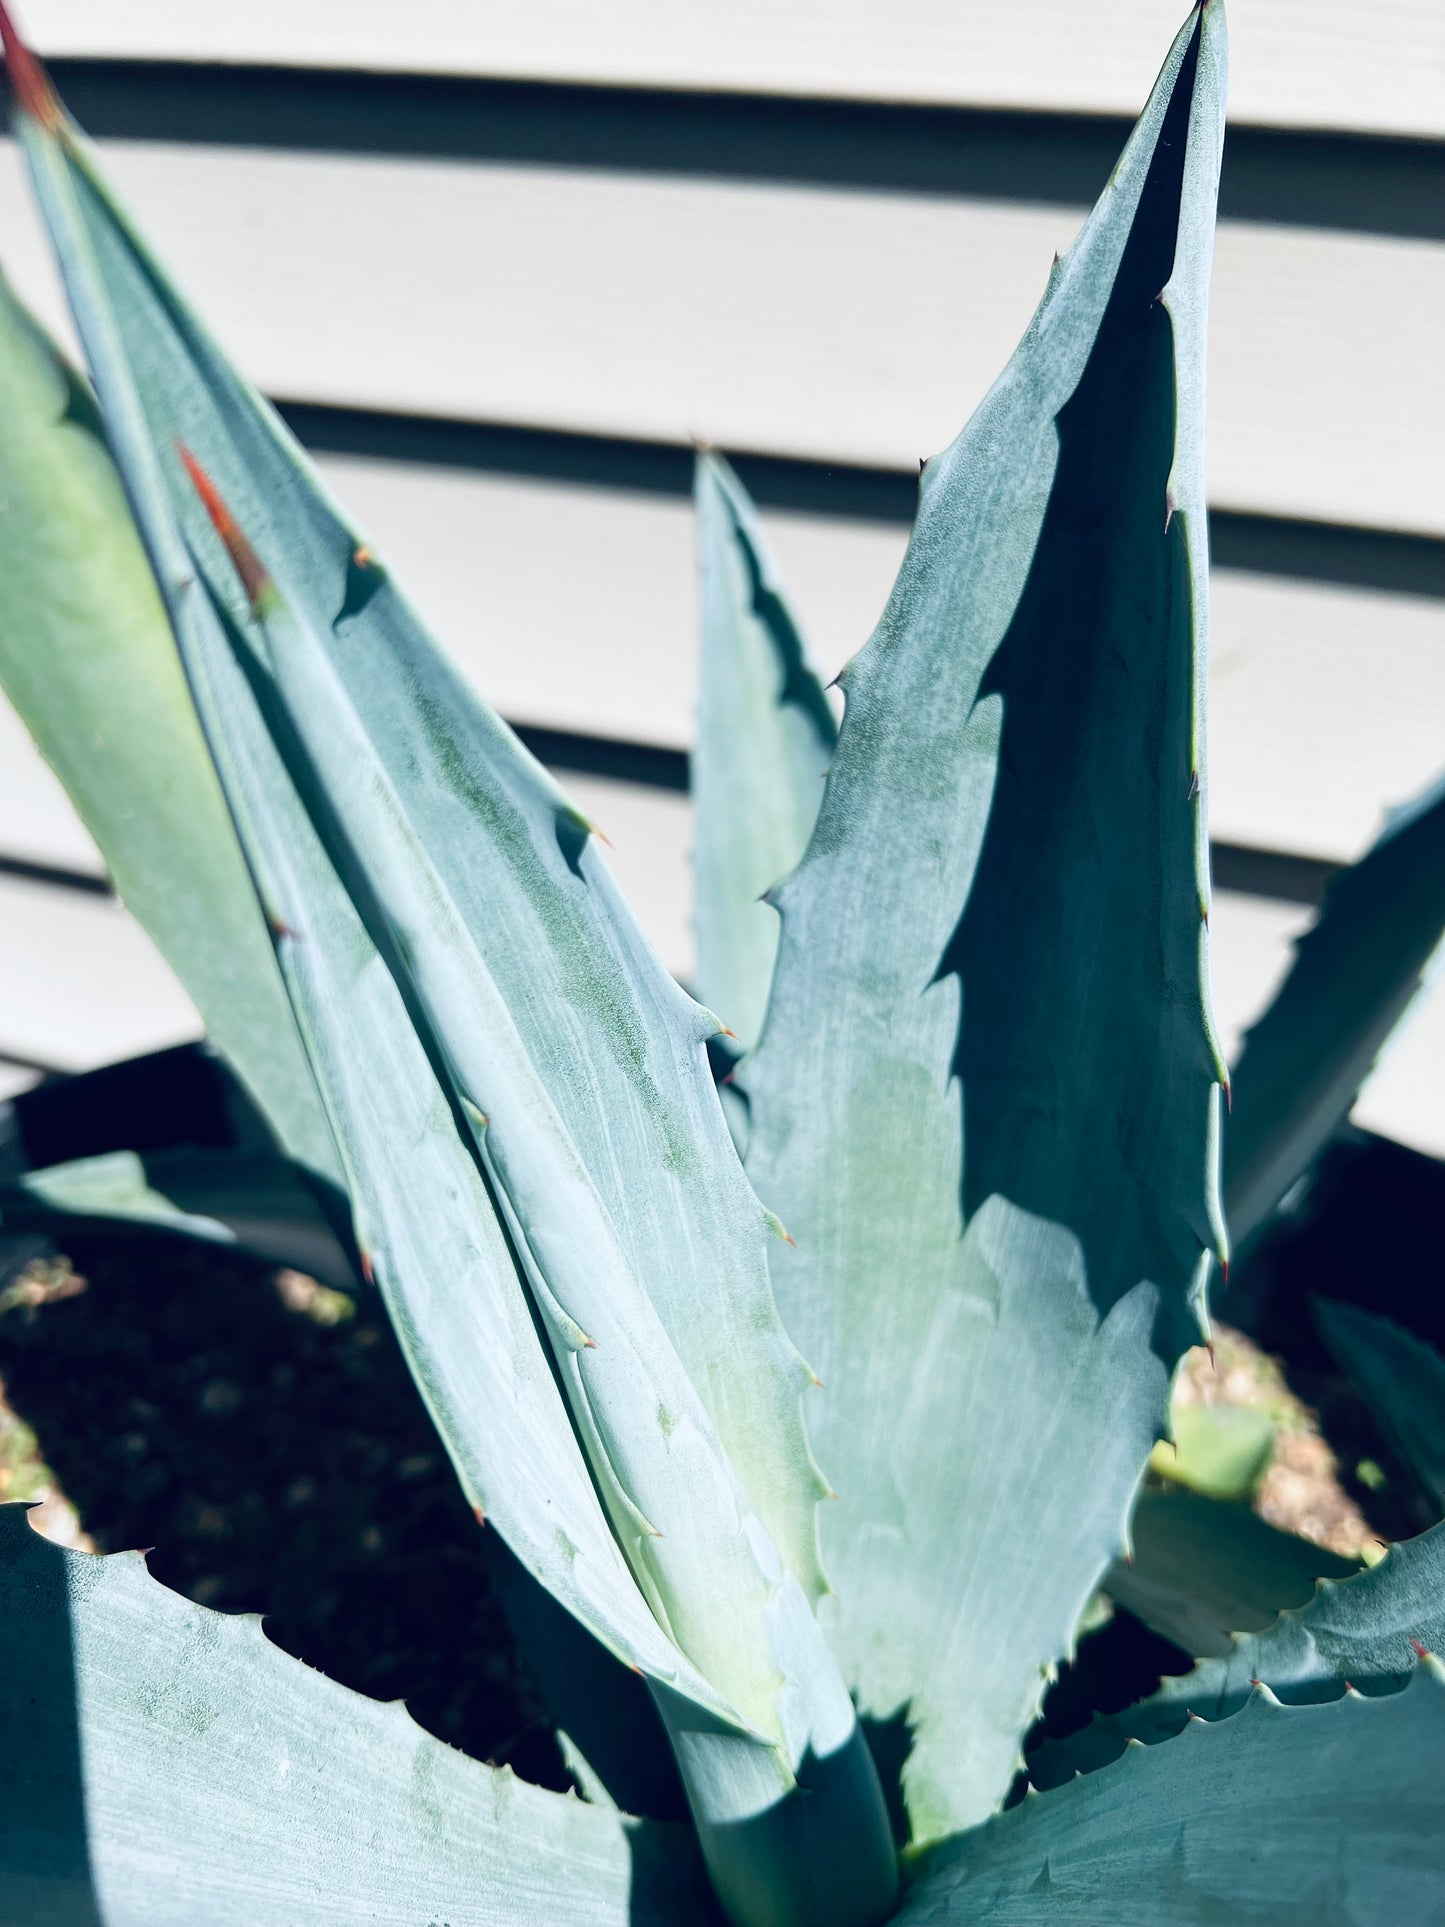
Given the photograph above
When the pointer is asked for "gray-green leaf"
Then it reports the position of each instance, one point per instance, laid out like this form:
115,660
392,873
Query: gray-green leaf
765,737
87,658
166,1766
615,1046
1362,1630
1203,1569
252,1199
1317,1816
520,1092
1355,973
985,1101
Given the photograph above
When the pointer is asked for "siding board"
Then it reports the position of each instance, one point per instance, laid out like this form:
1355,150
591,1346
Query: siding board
1374,183
812,232
573,609
853,327
80,982
1295,63
81,985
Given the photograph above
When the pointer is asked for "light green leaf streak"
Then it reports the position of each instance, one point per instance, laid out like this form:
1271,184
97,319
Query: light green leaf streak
166,1765
984,1101
1318,1816
87,658
765,737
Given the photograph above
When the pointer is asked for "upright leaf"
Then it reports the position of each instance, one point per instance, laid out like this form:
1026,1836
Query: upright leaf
1355,973
1401,1377
165,1765
424,1219
765,737
985,1098
618,1048
87,657
1362,1631
492,1034
1318,1816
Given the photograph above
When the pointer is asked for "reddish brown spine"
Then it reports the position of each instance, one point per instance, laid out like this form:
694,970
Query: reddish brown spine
254,579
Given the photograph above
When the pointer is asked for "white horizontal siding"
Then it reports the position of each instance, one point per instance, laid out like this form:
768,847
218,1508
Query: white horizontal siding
1405,1098
81,984
1252,947
861,327
1298,63
15,1078
574,608
38,823
80,981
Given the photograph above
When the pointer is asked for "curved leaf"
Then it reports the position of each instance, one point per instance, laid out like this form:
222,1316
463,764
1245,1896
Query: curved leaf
1363,1630
252,1199
1317,1816
87,658
1356,971
765,736
166,1765
170,1139
1403,1380
1202,1569
984,1101
491,1034
423,1215
616,1046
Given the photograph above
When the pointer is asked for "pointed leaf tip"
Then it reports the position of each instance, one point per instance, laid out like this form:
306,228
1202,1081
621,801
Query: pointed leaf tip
34,94
258,585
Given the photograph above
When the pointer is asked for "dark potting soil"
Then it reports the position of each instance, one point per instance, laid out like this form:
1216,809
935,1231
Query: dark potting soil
280,1465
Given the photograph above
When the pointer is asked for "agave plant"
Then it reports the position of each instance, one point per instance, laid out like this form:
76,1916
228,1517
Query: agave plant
976,1080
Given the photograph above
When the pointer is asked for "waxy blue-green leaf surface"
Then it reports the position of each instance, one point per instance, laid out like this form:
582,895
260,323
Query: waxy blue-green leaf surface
166,1766
617,1047
1279,1816
985,1102
1203,1569
251,1199
422,1212
1403,1380
520,1092
1362,1629
1355,973
765,737
87,658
